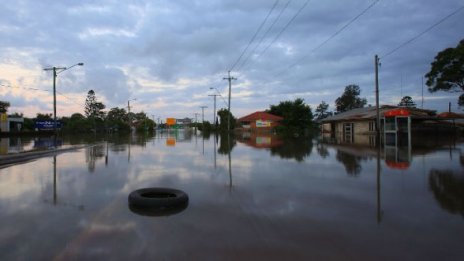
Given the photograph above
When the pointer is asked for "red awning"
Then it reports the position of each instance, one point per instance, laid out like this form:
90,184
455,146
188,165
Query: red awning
397,112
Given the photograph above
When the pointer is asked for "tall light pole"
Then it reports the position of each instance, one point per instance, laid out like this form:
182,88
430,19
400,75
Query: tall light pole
203,116
128,112
214,112
56,71
228,106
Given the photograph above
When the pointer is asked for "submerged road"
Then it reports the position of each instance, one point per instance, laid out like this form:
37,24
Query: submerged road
10,159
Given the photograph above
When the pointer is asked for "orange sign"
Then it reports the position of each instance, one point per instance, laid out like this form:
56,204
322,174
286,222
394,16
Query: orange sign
397,112
170,121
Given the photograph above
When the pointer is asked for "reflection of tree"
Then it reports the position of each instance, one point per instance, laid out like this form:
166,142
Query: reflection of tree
350,161
322,150
448,189
293,148
224,147
92,154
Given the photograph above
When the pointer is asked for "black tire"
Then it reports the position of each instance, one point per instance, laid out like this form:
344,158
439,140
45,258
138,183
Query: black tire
157,198
158,212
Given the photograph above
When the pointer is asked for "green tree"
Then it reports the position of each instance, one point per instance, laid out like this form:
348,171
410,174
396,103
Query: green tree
321,111
93,108
407,101
297,115
4,105
223,117
77,123
350,99
447,71
117,119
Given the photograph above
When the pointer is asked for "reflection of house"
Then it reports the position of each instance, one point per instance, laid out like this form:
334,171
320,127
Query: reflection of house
260,140
10,123
260,121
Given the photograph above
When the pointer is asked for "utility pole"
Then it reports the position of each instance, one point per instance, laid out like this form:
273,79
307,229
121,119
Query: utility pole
56,71
203,117
377,106
422,104
196,123
128,113
214,112
229,78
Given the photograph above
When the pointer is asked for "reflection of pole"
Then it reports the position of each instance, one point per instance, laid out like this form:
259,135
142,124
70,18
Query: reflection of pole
215,152
128,154
230,161
106,156
379,208
55,194
203,145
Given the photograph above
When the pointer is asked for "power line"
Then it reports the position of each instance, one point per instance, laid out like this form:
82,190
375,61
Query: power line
265,34
332,36
254,36
422,33
285,27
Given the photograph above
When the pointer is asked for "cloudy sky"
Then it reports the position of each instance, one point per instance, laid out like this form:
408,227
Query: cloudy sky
168,54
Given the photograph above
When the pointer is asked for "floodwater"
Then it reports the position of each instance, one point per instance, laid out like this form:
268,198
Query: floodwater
261,198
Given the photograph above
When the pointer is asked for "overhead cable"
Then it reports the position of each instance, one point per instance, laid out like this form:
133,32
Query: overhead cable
421,33
254,36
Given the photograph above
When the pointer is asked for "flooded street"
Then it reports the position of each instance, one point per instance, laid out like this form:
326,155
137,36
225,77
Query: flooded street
262,197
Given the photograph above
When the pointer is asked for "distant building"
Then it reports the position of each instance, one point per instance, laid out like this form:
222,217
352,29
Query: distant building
185,122
10,123
260,121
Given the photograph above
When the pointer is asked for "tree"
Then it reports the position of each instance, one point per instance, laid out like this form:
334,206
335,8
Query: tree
321,111
407,101
46,116
117,119
4,105
297,115
93,108
350,99
223,117
447,71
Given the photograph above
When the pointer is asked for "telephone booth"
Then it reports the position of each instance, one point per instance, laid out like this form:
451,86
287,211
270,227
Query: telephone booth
397,136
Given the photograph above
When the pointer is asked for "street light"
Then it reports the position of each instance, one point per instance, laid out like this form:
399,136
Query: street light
56,71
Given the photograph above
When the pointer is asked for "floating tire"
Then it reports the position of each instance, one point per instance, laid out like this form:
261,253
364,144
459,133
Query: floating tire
158,212
157,199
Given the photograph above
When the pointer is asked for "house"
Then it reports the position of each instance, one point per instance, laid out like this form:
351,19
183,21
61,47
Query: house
396,123
260,121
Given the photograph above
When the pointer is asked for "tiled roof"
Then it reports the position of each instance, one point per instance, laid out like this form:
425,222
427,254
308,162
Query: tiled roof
260,115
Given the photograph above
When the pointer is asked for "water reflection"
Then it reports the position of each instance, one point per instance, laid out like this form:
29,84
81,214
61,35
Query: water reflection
258,199
293,148
448,188
351,162
93,153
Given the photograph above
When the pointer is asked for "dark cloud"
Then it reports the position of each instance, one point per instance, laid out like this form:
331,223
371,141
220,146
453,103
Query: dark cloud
169,53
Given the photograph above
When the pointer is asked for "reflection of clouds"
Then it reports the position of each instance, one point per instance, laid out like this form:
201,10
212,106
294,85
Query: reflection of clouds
28,179
274,203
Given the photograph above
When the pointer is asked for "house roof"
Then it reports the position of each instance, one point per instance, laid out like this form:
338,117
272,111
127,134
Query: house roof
367,113
260,115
